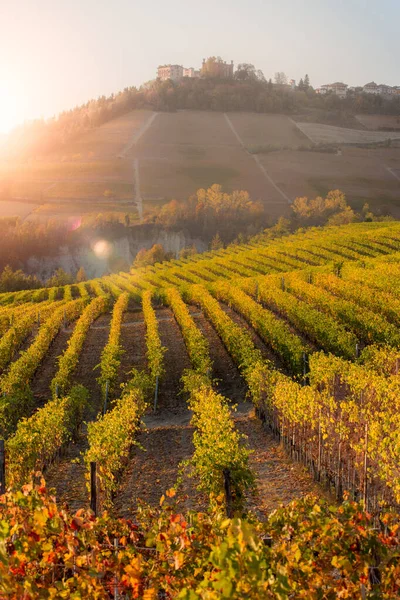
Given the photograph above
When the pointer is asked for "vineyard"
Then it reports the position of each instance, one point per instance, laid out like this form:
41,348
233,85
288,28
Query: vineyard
232,382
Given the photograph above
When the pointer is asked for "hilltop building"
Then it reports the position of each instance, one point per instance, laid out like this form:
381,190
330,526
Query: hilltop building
217,68
338,88
175,72
381,89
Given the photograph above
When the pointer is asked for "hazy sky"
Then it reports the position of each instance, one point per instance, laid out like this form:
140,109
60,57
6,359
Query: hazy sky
59,53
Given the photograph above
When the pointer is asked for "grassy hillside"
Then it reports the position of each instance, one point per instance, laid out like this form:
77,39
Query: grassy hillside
302,333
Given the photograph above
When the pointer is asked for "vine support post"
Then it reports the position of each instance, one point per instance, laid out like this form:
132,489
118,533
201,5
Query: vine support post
116,595
2,468
38,318
93,487
304,368
397,366
64,319
319,446
283,283
228,492
365,482
357,350
106,397
156,395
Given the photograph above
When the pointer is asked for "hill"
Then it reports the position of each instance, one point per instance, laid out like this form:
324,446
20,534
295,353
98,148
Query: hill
302,333
135,163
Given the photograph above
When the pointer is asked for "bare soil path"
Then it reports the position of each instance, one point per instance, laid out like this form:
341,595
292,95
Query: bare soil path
229,382
67,476
278,479
42,379
167,440
133,344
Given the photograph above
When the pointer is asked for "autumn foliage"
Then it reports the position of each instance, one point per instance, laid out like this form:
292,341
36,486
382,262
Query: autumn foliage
305,550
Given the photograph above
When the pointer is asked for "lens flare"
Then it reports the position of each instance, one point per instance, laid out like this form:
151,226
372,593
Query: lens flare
102,249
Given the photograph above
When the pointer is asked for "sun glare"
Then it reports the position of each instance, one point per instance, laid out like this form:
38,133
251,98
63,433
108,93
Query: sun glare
11,112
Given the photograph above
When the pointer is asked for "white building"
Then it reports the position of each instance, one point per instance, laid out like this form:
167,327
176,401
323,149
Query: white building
379,89
174,72
338,88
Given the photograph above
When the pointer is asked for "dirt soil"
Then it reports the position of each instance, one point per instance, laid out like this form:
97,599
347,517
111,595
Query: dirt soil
329,134
67,476
167,439
278,479
42,379
133,345
268,130
363,174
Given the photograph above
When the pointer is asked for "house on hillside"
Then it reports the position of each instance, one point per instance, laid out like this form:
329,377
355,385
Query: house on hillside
382,89
338,88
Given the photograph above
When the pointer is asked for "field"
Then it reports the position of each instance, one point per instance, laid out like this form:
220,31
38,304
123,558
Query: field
380,122
89,171
328,134
275,131
364,175
184,151
140,161
301,333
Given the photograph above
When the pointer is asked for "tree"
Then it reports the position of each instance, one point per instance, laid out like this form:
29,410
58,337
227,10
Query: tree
306,82
154,255
318,211
81,275
188,251
261,76
246,72
59,278
216,243
281,78
300,87
15,281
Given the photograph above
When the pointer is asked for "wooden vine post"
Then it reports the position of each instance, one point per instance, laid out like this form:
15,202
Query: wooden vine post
106,397
93,487
156,395
2,468
365,482
228,493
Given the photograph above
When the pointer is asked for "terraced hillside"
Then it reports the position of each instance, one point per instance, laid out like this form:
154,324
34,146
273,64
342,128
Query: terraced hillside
302,333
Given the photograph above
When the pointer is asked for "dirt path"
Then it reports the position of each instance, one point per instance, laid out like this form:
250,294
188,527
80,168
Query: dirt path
67,476
229,382
133,345
167,439
42,379
278,479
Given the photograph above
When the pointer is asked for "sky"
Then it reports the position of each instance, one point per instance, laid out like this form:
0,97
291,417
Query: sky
56,54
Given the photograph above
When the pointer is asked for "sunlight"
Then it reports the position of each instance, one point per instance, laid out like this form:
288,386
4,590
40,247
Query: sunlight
11,109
